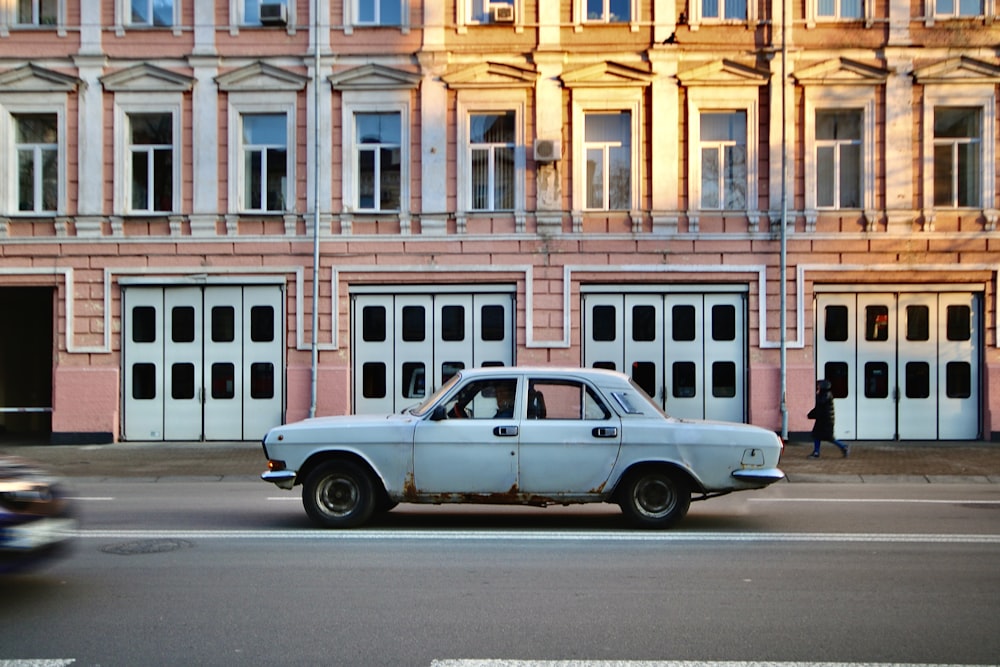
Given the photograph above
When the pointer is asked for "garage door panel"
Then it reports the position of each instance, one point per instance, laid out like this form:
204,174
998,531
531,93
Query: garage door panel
959,324
142,362
183,364
836,357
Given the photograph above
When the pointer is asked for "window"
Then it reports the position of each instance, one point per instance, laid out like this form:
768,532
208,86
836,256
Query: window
838,158
151,155
958,8
609,11
265,161
37,149
724,160
558,399
373,324
491,156
730,10
37,12
251,10
836,328
414,324
379,12
839,9
607,145
379,150
957,156
151,12
262,324
604,318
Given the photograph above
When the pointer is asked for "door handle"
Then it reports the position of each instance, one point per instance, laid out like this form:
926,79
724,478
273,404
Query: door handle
505,431
605,432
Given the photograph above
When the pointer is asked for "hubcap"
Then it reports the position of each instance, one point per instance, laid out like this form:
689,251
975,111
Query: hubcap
338,495
654,496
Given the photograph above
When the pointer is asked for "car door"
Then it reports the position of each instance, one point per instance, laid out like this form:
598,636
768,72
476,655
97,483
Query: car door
472,449
569,440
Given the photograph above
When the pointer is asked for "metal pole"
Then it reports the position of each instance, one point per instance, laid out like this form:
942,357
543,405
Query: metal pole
783,263
314,365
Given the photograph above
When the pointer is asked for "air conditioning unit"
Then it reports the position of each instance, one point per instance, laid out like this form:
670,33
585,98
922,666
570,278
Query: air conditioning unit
547,150
273,13
501,12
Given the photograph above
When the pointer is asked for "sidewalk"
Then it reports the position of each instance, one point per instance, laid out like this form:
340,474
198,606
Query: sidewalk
869,462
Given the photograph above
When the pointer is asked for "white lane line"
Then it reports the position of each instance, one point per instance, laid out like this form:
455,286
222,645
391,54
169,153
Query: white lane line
661,663
536,536
39,662
916,501
86,499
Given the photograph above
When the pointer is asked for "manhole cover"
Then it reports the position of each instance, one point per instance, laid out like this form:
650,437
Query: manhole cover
138,547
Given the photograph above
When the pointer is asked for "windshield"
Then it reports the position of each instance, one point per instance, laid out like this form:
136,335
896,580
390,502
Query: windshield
423,408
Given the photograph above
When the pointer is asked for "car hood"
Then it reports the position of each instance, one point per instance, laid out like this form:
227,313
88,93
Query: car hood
302,431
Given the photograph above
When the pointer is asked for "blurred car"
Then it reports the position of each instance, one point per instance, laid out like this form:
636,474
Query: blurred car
36,518
532,436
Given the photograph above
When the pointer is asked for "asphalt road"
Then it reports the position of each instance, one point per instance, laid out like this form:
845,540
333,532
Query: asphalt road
231,573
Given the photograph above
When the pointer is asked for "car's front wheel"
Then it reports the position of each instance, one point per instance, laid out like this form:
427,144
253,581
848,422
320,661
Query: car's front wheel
655,498
338,494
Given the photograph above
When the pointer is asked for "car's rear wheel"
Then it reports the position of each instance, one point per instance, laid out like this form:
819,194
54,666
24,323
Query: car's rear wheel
655,498
338,494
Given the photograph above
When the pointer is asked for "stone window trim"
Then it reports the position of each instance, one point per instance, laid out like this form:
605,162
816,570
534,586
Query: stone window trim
8,17
352,21
580,20
465,13
986,18
123,21
127,104
46,103
241,104
867,14
696,20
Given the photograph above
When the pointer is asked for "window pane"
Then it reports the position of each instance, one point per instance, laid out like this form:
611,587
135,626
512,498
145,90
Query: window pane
736,9
373,324
876,323
620,10
414,328
595,178
644,374
491,128
262,324
968,174
261,380
683,323
944,7
453,323
182,381
958,379
918,379
838,124
620,177
850,9
850,176
389,178
835,328
837,373
604,323
710,9
944,194
143,324
736,177
643,323
390,12
918,323
143,381
710,195
876,379
723,379
480,164
684,379
959,323
373,379
826,176
826,8
414,380
182,324
491,323
956,122
265,129
970,8
223,380
723,322
366,179
378,128
223,324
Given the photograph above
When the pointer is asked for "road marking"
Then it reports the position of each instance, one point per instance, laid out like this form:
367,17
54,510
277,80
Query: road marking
40,662
536,536
927,501
86,499
661,663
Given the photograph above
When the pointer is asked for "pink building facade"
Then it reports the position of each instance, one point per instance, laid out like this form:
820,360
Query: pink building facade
573,182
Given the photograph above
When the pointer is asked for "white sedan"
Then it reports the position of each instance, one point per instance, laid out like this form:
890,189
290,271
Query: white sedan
518,435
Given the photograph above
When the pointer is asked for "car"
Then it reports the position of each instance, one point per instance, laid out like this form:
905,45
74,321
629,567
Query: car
37,520
520,435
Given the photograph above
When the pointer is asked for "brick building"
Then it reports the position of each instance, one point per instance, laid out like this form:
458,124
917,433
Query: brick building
596,182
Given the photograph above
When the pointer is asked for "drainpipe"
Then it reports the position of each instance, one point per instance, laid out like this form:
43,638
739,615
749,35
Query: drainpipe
314,365
784,223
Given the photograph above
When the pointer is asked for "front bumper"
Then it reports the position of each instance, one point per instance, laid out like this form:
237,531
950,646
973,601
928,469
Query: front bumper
283,479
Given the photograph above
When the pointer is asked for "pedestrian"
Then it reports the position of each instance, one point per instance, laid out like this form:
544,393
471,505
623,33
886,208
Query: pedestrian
823,414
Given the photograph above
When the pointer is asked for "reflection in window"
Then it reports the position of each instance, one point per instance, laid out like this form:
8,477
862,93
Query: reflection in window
379,12
876,323
724,322
491,322
957,8
609,11
37,147
723,379
733,10
262,324
143,324
958,138
918,323
379,147
223,380
724,160
373,324
644,374
414,379
453,323
604,323
36,12
152,12
958,379
876,379
918,379
143,381
838,139
685,380
837,373
835,328
643,323
182,381
413,324
607,146
491,147
262,380
959,323
223,324
373,379
265,161
182,324
683,323
151,155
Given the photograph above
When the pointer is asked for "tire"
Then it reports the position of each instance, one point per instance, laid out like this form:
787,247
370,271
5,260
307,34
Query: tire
338,494
655,498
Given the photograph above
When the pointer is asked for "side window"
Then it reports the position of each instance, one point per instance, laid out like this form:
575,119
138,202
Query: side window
265,161
553,399
484,399
37,148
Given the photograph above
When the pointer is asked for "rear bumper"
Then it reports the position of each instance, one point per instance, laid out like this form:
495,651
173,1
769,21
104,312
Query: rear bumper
759,476
283,479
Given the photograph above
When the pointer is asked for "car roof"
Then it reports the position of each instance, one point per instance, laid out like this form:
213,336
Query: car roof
597,375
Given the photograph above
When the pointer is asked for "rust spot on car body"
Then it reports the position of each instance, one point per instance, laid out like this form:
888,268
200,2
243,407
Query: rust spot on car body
511,496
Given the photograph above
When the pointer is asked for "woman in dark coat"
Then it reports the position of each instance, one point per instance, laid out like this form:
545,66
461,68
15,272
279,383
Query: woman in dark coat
823,414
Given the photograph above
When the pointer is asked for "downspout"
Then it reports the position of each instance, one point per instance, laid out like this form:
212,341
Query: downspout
784,225
314,365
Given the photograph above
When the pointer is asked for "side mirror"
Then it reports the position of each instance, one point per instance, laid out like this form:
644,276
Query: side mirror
439,414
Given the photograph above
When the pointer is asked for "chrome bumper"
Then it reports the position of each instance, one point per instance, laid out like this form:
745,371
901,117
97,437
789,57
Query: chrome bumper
762,476
283,479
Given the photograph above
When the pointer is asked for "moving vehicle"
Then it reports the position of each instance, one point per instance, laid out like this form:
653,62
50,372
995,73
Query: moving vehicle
36,518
